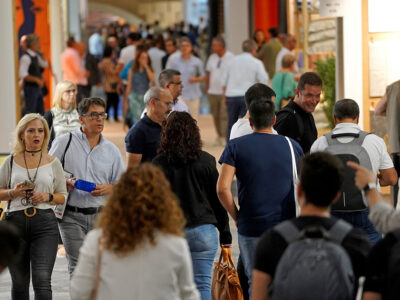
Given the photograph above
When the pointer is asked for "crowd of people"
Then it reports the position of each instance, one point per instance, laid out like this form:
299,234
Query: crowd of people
159,219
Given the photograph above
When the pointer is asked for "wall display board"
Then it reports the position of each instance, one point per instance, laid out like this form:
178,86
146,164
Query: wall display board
384,65
383,16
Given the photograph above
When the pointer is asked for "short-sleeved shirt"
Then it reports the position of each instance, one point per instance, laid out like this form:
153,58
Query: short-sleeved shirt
264,174
101,165
287,124
216,66
243,71
272,245
191,68
373,144
144,138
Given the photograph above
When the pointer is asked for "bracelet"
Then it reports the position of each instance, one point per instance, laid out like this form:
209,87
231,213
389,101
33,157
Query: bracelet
9,194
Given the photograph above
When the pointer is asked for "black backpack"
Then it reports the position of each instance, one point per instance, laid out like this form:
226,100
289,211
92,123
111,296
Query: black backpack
392,290
351,198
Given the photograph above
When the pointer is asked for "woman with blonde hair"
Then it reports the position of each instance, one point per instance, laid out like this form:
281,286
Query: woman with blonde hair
32,182
63,116
138,250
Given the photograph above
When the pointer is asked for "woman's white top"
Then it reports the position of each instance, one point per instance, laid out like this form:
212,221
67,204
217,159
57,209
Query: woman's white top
50,179
150,272
65,121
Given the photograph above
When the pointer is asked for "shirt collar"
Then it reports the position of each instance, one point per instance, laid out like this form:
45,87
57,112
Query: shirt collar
31,52
82,135
347,126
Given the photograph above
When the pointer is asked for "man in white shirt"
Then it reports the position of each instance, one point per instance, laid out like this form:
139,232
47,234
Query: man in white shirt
346,114
156,55
96,44
128,52
215,67
289,44
243,71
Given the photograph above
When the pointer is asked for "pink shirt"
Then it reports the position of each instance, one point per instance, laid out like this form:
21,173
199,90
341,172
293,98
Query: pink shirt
72,67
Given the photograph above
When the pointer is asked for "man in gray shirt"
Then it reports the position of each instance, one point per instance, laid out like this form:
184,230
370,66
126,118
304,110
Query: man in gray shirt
89,157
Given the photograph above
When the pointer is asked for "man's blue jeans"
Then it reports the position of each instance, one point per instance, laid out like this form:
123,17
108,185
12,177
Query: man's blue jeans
203,245
247,247
360,219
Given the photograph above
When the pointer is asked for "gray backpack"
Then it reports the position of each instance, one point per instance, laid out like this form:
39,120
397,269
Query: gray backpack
351,198
314,265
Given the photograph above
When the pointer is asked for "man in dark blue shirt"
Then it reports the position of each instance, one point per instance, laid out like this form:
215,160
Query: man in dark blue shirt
262,162
143,139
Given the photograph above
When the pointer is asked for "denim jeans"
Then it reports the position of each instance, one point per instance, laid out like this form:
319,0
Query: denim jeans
73,228
203,245
247,246
236,108
39,239
360,219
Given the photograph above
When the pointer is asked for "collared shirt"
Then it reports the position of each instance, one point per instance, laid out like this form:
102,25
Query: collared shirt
102,165
25,62
191,68
172,57
95,44
216,66
243,71
65,121
278,63
144,138
127,54
373,144
72,66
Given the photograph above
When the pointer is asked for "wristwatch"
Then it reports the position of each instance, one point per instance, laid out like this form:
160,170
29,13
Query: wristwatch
50,197
371,185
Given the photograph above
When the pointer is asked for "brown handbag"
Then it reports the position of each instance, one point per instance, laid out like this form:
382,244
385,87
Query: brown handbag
225,283
99,255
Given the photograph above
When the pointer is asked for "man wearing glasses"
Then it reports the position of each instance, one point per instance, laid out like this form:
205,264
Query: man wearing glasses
143,139
90,157
295,120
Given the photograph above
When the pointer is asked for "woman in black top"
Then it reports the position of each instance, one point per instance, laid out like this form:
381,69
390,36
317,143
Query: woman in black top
193,176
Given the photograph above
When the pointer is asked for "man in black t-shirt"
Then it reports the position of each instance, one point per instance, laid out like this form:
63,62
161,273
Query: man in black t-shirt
296,120
321,176
143,139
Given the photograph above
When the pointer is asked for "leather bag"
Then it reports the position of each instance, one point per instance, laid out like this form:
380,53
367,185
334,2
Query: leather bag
225,283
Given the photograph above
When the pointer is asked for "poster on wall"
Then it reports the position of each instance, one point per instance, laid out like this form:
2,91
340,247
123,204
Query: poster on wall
32,17
384,65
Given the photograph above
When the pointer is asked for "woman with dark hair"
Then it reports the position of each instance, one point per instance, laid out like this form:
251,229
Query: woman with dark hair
140,78
193,176
259,38
112,81
138,250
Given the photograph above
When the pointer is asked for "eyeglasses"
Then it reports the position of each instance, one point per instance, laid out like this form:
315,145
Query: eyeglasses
166,103
95,116
70,91
177,83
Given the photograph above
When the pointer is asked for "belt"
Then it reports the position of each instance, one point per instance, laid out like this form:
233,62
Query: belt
84,210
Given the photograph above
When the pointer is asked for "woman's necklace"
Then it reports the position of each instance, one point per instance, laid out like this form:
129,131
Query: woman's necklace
32,151
37,168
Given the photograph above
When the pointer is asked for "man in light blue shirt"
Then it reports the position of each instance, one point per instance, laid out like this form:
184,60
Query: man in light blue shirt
96,45
192,73
90,157
243,71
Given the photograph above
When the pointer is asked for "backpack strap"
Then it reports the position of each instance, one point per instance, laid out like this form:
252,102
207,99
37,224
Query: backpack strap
288,231
65,151
9,180
339,231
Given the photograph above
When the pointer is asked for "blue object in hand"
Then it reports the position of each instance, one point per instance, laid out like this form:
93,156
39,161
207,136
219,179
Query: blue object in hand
83,185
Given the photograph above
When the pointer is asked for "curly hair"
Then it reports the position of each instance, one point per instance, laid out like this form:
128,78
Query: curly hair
140,205
180,137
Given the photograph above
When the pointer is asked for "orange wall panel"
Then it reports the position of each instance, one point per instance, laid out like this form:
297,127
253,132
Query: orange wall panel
265,14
